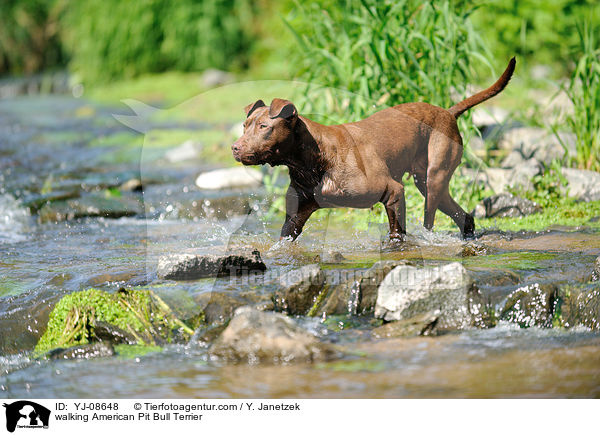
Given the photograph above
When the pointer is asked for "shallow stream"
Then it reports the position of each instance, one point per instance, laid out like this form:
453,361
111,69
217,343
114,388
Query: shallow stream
51,144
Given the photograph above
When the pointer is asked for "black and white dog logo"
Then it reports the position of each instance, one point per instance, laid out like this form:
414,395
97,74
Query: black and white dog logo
26,414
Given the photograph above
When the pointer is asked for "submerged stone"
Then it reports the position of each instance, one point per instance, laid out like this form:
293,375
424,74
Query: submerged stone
580,306
423,324
89,206
351,291
196,266
104,331
407,292
84,351
254,336
38,200
299,289
531,305
223,207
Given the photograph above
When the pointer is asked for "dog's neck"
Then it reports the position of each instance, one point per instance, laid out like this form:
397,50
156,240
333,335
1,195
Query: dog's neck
310,158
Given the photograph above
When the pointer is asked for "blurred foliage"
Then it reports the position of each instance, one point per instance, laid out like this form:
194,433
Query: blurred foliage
156,35
537,31
29,36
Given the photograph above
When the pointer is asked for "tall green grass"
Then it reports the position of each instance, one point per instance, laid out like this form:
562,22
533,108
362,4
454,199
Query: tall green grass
584,91
384,53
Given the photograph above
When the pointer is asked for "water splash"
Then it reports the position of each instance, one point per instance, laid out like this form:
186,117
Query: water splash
14,220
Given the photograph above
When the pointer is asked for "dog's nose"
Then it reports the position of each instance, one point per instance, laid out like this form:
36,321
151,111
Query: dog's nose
235,147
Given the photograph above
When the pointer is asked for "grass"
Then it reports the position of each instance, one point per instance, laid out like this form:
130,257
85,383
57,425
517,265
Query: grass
583,90
167,89
572,214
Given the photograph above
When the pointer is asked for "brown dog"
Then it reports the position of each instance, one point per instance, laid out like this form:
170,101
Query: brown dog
361,163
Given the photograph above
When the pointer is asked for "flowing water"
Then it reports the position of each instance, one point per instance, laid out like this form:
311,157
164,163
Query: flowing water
46,141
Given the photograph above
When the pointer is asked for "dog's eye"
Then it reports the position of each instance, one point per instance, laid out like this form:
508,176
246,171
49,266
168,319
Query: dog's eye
263,125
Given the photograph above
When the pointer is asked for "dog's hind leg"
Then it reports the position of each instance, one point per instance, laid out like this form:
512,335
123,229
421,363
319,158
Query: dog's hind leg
444,154
395,207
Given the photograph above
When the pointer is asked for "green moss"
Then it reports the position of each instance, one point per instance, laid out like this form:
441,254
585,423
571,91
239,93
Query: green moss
521,260
140,313
128,351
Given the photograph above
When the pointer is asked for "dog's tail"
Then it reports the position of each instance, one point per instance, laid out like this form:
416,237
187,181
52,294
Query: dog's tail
496,88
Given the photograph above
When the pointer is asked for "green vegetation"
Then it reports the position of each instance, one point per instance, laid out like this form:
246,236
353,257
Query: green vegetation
570,214
140,313
584,91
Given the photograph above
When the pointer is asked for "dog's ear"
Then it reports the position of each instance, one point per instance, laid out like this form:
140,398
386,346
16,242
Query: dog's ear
252,107
282,109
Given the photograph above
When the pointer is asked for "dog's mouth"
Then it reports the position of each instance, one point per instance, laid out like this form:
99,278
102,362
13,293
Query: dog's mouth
250,159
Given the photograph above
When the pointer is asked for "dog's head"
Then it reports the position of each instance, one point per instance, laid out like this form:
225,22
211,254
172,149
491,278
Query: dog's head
267,134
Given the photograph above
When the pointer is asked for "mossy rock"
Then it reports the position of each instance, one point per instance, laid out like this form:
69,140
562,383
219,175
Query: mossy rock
139,313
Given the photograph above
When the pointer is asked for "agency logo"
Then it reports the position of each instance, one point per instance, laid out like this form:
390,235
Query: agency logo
27,415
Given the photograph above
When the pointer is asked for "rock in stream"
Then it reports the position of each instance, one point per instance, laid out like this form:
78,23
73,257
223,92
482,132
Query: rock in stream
254,336
408,292
195,266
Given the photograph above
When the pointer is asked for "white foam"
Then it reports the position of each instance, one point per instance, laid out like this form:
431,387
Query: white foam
14,220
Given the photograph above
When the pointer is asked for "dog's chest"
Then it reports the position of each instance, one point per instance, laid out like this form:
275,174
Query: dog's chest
352,192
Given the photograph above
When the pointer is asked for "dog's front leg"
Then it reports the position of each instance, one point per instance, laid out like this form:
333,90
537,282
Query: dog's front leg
298,208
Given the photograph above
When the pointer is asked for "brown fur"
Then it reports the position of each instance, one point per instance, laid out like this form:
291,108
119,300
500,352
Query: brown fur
361,163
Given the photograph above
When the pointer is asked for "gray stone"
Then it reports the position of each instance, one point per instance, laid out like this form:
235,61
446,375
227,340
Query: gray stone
188,150
229,178
597,267
583,185
531,305
522,175
213,77
299,289
505,205
91,205
488,116
538,143
254,336
514,159
85,351
495,179
407,292
195,266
